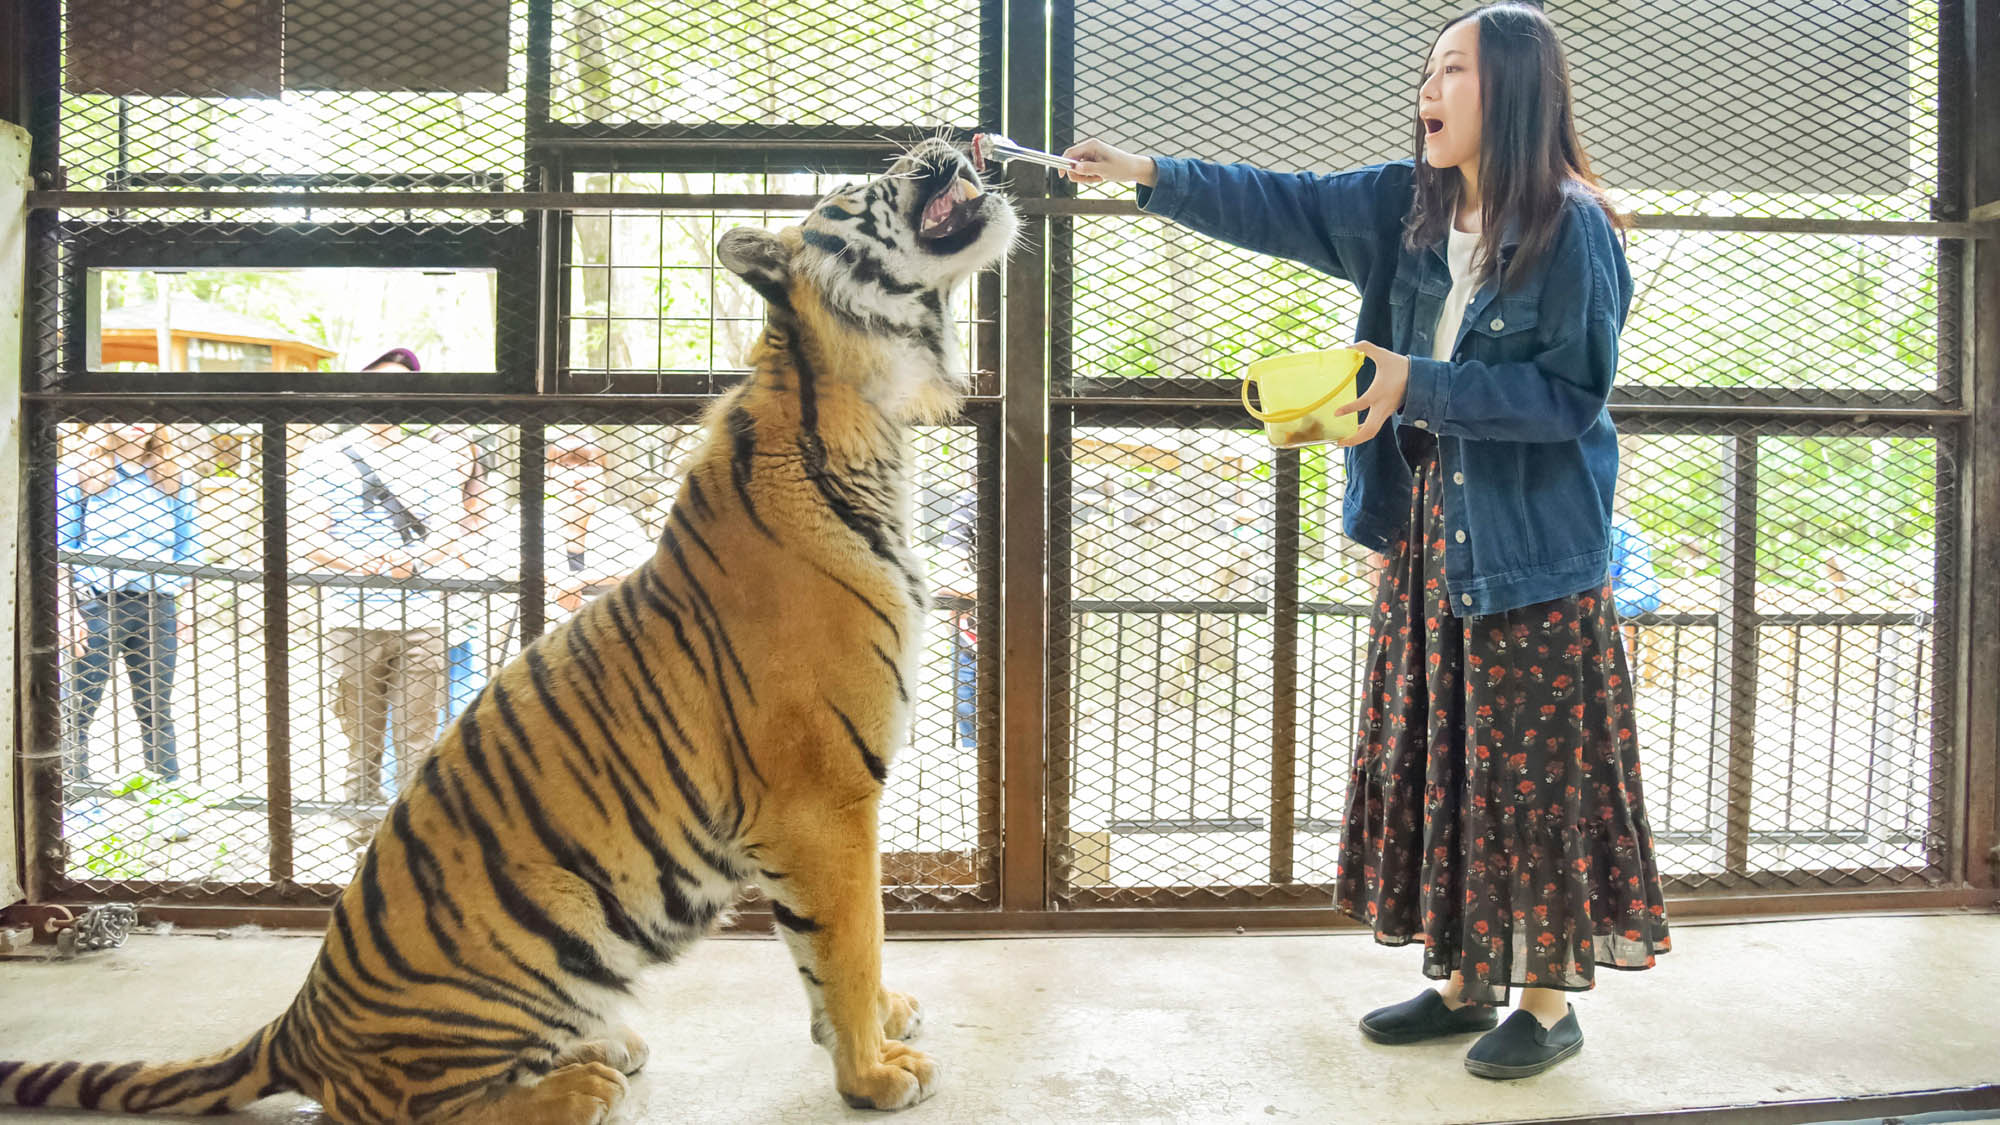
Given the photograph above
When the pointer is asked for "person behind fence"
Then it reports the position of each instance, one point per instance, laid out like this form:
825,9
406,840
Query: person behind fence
1494,810
483,546
369,501
589,542
128,497
955,585
1635,588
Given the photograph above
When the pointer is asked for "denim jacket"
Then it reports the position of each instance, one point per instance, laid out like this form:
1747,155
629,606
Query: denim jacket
1526,443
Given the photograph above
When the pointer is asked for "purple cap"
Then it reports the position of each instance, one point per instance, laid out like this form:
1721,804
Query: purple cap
404,356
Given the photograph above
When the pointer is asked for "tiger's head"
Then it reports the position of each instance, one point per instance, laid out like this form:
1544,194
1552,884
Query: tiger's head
878,259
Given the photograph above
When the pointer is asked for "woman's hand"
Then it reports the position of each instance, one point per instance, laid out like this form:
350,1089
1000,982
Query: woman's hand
1100,163
1385,392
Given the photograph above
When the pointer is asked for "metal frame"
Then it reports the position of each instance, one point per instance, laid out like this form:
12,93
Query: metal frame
1966,741
508,249
1025,418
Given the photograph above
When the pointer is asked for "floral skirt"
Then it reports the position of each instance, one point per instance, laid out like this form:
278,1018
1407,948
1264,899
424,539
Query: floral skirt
1494,811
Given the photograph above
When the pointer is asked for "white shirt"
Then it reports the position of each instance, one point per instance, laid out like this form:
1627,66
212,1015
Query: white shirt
329,489
614,545
1459,252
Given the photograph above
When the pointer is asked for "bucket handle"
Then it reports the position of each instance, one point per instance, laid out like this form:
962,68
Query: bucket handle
1282,416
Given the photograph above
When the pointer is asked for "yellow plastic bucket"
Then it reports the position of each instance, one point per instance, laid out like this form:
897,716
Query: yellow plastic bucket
1300,392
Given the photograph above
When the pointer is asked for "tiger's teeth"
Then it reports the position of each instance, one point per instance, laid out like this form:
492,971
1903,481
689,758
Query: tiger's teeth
964,190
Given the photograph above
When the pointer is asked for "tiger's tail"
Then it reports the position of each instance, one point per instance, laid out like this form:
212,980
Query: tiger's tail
219,1083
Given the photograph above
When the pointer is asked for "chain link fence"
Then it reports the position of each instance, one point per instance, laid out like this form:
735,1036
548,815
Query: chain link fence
250,204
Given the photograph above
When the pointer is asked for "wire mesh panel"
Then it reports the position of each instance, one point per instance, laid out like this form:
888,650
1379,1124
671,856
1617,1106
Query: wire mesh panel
238,661
159,662
403,598
790,68
1787,316
1681,106
199,762
649,307
285,93
1171,533
1779,611
1766,732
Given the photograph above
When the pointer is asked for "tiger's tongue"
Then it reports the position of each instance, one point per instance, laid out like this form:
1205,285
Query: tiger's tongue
938,209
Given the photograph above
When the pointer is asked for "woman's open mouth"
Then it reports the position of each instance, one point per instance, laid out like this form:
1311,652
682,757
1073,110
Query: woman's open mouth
951,210
1433,126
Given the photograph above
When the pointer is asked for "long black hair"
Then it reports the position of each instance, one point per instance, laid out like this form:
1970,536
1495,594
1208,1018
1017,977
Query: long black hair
1529,157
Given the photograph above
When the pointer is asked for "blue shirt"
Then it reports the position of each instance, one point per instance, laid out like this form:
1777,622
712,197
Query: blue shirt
1635,588
130,518
1529,453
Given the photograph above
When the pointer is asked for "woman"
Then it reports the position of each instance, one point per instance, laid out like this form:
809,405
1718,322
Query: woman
126,498
1494,810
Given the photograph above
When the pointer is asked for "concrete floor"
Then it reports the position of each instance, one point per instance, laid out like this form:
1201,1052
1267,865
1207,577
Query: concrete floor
1170,1029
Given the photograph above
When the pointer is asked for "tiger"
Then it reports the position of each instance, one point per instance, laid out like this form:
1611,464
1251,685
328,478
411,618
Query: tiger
725,716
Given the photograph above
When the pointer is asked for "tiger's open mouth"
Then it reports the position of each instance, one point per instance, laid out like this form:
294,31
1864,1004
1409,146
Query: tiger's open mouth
951,210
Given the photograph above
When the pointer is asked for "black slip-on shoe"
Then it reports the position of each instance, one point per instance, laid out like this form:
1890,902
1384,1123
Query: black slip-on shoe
1522,1046
1425,1017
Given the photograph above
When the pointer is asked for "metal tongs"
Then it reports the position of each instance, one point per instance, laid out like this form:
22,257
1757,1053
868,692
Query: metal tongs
998,149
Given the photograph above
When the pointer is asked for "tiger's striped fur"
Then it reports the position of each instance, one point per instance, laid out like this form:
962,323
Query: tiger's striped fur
727,714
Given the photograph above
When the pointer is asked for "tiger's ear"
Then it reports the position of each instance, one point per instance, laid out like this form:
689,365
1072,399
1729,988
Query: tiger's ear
760,258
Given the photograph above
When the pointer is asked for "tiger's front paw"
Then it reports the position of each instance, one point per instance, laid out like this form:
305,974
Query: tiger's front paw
902,1016
903,1078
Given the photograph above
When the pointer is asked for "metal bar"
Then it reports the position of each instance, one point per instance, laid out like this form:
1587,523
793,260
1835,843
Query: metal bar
554,232
736,143
992,59
655,407
534,448
363,200
303,578
367,200
1059,695
1910,1105
987,614
1285,666
240,904
541,35
150,389
277,652
1980,600
1748,224
1743,633
1024,856
39,754
16,89
398,181
1981,38
1723,405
